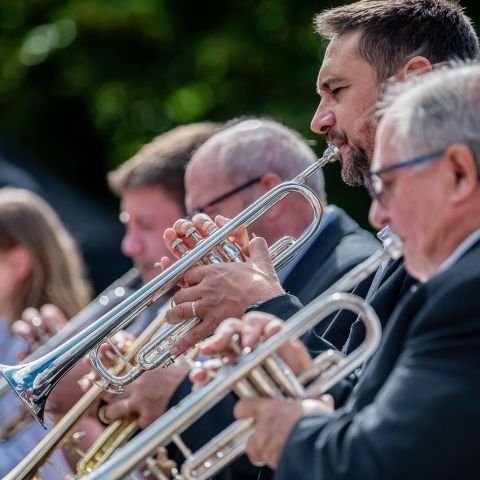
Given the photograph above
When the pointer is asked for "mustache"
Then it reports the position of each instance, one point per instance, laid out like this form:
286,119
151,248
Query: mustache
337,137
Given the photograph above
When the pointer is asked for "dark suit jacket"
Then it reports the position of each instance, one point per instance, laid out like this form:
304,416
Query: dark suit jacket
414,413
340,246
337,249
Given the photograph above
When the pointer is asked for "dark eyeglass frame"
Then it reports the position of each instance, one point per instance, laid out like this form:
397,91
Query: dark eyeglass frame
374,183
224,196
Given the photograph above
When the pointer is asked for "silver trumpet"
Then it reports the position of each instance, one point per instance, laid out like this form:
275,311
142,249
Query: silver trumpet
157,351
34,381
110,297
258,372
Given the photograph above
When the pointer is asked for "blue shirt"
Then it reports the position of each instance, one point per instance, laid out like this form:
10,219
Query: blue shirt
18,446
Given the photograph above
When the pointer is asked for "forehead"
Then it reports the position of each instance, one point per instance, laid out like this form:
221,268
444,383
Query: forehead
341,61
146,200
204,178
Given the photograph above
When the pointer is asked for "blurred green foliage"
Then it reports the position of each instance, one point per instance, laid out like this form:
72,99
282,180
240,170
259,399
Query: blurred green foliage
84,83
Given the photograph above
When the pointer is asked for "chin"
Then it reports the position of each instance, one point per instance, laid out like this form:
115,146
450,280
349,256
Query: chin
415,268
351,175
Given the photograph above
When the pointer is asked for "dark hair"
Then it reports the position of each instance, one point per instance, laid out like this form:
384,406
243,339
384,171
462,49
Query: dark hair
162,161
392,31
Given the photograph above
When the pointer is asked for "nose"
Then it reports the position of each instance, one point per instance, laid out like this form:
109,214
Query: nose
132,244
377,216
323,120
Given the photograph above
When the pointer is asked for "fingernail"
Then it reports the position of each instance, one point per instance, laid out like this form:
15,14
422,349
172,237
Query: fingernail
84,383
36,321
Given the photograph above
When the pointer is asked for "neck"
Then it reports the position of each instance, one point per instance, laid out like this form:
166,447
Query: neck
447,244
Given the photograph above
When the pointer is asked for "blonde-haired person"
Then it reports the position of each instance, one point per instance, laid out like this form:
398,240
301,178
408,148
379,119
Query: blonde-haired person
39,264
52,269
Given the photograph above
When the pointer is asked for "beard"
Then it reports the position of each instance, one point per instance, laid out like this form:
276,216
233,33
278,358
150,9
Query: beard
354,166
356,162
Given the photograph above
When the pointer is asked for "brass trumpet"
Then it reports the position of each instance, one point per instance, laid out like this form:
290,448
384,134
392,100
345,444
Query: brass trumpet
266,373
34,381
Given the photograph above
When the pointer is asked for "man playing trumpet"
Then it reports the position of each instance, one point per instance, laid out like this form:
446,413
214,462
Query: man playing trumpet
399,423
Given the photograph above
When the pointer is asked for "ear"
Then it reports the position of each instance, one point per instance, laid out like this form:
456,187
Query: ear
268,181
20,262
415,66
463,172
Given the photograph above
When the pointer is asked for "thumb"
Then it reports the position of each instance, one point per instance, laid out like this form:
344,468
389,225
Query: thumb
259,251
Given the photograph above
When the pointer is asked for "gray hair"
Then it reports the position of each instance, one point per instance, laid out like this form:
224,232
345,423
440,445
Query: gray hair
250,148
437,109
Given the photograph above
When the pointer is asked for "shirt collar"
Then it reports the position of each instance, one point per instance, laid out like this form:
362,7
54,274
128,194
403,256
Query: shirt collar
459,251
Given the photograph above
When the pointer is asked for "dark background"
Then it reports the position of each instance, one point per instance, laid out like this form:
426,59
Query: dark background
84,83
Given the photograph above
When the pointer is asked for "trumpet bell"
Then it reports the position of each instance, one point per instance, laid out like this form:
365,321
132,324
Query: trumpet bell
27,384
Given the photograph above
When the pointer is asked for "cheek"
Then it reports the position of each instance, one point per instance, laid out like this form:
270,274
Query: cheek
155,245
360,110
7,288
232,209
411,221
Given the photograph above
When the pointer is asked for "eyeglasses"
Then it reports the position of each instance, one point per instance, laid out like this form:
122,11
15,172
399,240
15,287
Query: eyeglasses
223,196
374,182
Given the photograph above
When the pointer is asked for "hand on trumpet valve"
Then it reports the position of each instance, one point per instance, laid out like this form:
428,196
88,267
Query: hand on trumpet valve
242,284
198,228
251,330
274,419
37,325
187,234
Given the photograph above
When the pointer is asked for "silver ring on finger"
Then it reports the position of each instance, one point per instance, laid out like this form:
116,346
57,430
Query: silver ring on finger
194,309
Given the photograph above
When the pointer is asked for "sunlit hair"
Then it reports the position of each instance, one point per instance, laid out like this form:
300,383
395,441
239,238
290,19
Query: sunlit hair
57,272
162,161
394,31
437,109
252,147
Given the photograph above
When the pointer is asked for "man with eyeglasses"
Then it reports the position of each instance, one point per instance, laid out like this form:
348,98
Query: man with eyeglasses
414,412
